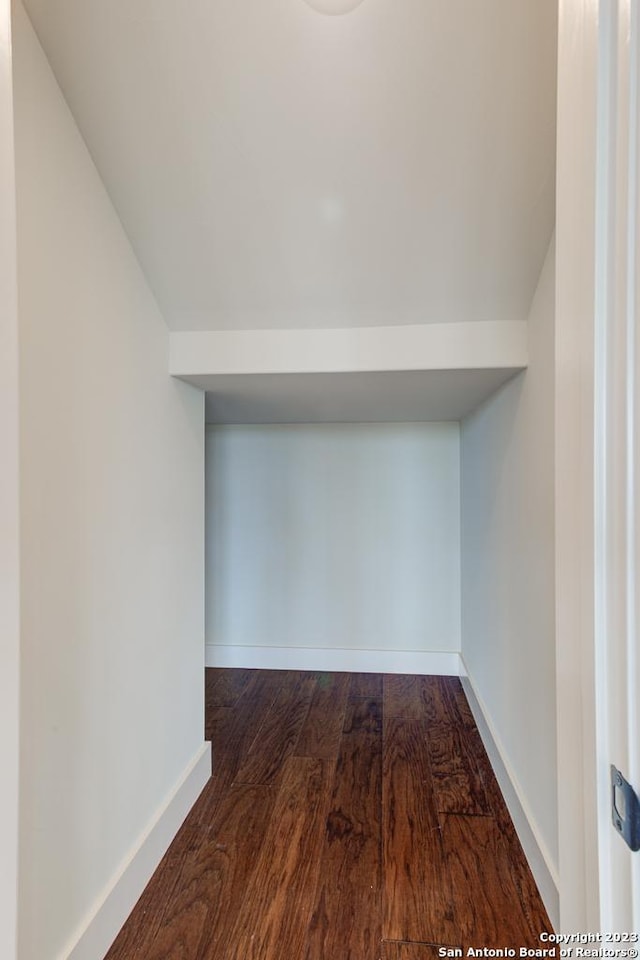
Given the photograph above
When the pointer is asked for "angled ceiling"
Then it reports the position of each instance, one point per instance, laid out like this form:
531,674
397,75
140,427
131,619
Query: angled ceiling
275,167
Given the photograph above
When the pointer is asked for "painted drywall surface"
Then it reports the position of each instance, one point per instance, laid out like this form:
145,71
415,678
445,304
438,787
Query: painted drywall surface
435,346
280,168
112,530
508,613
9,507
388,396
334,536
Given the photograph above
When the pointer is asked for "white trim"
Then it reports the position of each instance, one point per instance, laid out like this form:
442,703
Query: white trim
578,164
431,346
540,860
9,508
100,928
440,662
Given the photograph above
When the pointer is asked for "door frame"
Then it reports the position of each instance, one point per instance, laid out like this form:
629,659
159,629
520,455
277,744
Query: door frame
574,461
589,61
9,507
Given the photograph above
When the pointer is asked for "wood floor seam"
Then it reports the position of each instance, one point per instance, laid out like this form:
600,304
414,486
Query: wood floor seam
348,817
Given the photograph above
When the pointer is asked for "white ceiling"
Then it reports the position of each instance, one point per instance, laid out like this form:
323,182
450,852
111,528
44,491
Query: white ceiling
398,396
275,167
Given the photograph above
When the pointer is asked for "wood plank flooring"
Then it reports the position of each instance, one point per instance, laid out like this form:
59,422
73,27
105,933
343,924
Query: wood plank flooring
349,817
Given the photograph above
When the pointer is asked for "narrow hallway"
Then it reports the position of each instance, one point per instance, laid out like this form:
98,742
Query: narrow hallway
349,817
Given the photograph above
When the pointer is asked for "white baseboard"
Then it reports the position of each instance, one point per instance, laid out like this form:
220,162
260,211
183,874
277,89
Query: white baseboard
443,663
535,850
101,927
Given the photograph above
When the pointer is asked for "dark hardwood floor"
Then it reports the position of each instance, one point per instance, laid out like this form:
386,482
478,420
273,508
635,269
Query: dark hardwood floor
349,817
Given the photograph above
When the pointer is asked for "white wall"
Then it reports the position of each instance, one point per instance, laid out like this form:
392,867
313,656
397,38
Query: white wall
508,598
9,507
112,531
341,537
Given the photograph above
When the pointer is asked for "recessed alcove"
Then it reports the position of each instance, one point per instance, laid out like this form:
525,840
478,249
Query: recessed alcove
333,488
